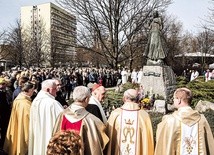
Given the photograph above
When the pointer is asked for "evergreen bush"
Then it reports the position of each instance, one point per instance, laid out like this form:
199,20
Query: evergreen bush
201,90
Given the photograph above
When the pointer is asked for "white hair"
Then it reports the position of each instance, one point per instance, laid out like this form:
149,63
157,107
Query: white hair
50,83
131,94
80,93
57,79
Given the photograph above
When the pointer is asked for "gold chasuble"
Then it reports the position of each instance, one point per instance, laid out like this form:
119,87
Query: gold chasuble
91,129
130,131
16,141
185,132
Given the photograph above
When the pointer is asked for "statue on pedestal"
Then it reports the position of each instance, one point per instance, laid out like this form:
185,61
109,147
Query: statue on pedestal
154,51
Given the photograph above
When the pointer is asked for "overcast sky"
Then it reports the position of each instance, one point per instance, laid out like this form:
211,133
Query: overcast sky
189,12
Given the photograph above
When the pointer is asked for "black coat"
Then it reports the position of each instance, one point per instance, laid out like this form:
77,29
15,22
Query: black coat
59,97
4,115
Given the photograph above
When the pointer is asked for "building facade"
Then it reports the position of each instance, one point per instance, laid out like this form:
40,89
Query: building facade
52,31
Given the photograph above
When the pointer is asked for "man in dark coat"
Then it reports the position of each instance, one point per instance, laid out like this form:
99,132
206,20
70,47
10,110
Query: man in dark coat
4,111
59,96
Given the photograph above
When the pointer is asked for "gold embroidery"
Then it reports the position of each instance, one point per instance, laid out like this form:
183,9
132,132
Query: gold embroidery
128,130
128,133
189,143
128,149
129,122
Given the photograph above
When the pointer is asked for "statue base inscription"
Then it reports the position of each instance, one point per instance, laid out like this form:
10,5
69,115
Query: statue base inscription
158,80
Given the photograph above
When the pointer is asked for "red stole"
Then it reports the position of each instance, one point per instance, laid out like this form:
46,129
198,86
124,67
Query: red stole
67,125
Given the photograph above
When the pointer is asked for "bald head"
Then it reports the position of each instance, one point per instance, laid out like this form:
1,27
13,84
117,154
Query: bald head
130,95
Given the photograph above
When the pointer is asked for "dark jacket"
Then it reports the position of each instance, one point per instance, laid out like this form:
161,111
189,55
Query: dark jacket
59,97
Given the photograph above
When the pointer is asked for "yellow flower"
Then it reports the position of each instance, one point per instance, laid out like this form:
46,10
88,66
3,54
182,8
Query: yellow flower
146,101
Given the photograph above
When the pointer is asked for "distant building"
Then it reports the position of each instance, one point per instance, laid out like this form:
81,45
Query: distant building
53,31
195,54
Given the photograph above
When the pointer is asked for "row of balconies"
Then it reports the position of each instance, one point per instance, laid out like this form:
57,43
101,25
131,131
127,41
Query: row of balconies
69,23
70,42
62,14
60,30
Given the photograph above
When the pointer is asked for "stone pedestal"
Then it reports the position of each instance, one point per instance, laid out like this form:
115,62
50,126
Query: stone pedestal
158,80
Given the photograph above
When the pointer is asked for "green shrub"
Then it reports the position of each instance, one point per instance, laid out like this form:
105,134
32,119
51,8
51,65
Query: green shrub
129,85
209,114
155,119
114,99
201,90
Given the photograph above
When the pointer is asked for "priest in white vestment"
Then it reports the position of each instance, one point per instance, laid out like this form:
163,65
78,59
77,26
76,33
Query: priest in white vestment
184,132
124,76
140,76
43,114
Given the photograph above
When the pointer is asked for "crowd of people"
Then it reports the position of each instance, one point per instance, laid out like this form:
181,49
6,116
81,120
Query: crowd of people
36,119
193,74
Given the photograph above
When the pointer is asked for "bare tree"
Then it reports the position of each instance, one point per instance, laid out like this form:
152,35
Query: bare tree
205,45
210,19
35,45
109,27
172,35
4,47
207,23
14,39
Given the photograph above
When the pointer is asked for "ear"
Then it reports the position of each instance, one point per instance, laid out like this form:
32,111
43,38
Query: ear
124,99
179,101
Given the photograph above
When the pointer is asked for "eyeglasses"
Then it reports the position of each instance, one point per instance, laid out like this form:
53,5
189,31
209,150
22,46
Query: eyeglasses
59,84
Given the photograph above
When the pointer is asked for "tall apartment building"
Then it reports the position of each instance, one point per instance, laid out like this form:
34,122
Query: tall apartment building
53,31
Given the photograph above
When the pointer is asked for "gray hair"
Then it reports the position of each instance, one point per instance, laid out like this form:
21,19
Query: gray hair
50,83
57,79
80,93
131,94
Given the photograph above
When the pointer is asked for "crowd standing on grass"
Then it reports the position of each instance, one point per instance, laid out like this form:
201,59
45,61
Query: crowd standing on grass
193,74
35,104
